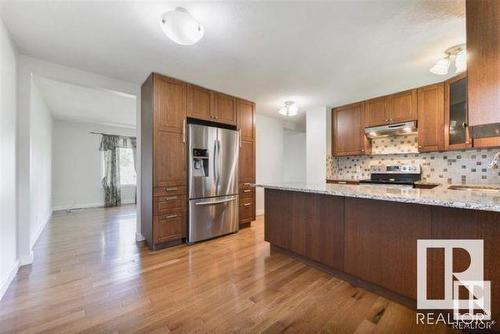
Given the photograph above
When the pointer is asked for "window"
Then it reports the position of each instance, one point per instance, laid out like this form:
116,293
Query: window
127,169
128,176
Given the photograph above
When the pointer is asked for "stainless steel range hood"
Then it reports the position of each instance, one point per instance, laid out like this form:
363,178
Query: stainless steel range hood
396,129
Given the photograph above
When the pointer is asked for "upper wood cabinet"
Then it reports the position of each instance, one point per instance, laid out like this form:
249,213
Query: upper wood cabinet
399,107
431,118
347,130
377,111
209,105
483,62
403,106
170,99
456,130
225,108
246,119
200,103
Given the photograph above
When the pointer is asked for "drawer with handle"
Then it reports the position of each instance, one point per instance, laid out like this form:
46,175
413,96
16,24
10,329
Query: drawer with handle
170,190
170,226
247,193
162,204
247,210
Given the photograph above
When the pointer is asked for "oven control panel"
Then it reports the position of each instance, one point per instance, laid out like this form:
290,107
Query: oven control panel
395,169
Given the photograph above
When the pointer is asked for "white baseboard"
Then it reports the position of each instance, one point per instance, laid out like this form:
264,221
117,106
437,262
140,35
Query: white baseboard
12,274
36,235
26,259
259,212
78,206
139,237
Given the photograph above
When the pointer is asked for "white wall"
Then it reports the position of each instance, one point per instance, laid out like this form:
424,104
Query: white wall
316,145
9,261
294,156
78,165
41,164
269,155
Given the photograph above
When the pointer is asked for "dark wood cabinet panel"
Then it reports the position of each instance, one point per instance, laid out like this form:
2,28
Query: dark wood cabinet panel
347,130
483,61
307,224
247,161
170,104
225,108
246,119
169,159
200,104
378,240
431,118
451,223
377,111
403,106
247,210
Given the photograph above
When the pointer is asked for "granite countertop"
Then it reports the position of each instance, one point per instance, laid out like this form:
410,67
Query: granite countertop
488,200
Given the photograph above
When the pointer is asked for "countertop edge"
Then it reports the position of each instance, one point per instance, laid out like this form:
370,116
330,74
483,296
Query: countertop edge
422,201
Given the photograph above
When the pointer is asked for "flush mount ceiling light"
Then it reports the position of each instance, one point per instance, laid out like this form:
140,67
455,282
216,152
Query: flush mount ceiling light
289,109
181,27
454,61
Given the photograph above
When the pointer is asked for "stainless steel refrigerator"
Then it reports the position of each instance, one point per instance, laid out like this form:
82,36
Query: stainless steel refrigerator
212,182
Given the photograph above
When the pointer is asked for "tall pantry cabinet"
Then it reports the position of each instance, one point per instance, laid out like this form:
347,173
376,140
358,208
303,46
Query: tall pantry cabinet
166,103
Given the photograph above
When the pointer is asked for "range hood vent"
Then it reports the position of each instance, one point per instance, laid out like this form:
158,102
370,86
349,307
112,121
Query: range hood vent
397,129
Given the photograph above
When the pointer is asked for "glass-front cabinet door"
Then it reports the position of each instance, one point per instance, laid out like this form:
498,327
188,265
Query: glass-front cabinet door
456,122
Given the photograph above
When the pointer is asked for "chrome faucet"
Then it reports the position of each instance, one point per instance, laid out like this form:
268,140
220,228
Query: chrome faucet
494,162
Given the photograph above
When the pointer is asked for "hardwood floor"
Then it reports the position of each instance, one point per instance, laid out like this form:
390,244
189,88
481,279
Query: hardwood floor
90,276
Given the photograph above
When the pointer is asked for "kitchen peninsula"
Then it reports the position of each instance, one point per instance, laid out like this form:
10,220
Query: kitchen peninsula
367,234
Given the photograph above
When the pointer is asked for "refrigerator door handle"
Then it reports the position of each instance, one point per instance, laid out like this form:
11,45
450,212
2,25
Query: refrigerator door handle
216,202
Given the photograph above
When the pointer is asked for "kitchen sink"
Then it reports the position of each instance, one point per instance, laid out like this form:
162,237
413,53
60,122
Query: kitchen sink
475,188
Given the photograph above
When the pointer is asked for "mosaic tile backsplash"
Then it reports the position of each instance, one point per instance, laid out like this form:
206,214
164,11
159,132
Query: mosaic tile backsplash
452,167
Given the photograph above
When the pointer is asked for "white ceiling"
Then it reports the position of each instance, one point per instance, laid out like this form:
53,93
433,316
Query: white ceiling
316,53
83,104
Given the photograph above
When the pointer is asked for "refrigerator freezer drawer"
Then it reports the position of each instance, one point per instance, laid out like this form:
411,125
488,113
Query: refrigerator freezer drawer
212,217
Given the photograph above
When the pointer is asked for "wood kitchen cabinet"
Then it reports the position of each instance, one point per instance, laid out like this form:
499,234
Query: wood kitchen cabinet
431,118
483,66
200,103
246,125
225,109
163,160
166,103
348,131
403,106
394,108
456,129
212,106
377,111
246,119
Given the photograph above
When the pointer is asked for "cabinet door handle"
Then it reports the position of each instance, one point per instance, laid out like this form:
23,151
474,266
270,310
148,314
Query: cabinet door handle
171,198
246,190
184,131
342,182
247,204
170,216
246,184
239,136
171,189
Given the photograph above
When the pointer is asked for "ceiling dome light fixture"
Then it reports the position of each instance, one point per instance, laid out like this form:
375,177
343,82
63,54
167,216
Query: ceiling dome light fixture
181,27
454,61
289,109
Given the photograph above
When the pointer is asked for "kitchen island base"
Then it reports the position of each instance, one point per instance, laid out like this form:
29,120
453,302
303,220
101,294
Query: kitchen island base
373,243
